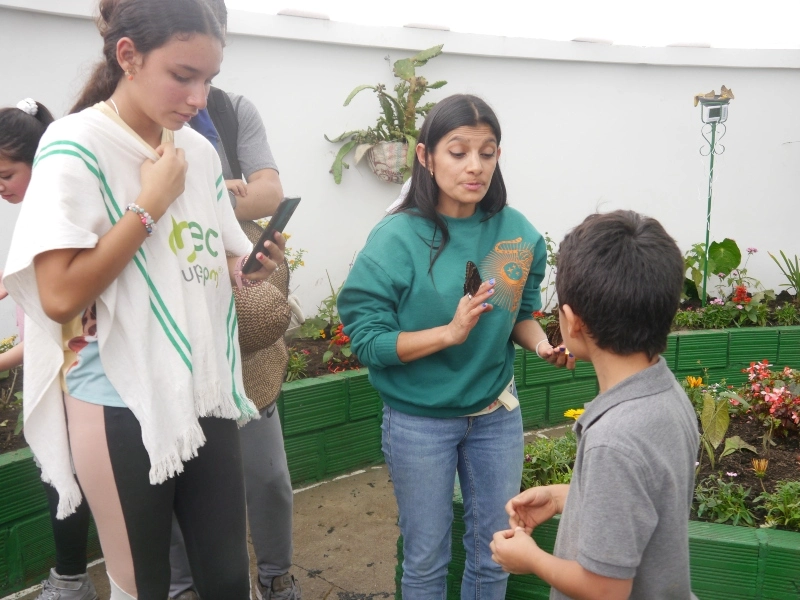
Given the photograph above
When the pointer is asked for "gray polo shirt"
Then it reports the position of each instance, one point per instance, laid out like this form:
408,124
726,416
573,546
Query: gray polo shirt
627,511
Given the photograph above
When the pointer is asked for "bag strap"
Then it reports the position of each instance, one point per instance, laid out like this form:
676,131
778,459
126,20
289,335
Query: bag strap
223,115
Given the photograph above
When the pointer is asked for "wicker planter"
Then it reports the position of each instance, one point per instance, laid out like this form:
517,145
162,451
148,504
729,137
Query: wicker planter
388,160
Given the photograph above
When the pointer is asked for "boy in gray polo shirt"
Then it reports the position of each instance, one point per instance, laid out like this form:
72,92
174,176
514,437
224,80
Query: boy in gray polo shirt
624,524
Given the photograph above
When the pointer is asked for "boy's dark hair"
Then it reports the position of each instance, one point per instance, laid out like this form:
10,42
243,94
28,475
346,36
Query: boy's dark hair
622,274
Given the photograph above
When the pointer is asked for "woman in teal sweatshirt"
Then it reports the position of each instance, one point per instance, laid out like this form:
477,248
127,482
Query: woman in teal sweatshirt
441,351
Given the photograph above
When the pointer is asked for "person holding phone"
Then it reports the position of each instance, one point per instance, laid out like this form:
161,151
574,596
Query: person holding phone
123,258
233,125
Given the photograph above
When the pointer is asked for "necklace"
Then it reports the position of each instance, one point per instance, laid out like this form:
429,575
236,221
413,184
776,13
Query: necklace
115,105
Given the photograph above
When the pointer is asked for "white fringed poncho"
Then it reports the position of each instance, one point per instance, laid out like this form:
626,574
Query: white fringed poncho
167,327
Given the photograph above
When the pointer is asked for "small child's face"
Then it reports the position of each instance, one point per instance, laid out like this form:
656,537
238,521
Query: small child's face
14,179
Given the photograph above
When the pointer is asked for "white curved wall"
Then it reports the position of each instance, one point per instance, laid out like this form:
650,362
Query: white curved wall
585,127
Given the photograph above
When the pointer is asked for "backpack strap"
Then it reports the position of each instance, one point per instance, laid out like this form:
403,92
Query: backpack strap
223,115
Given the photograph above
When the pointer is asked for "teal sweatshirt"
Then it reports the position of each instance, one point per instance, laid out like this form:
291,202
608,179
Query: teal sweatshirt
389,290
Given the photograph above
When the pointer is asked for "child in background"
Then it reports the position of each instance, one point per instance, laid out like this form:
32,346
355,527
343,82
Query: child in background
624,525
21,128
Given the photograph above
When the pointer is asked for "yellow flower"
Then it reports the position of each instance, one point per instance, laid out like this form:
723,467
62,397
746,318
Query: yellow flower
322,333
286,236
574,413
694,382
760,467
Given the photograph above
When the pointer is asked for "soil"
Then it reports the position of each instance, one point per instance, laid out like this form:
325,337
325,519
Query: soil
784,458
316,349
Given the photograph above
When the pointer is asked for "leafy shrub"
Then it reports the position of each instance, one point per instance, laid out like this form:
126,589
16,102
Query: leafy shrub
549,461
721,501
782,507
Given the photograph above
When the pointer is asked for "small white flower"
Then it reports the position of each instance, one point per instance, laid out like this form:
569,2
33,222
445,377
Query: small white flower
732,474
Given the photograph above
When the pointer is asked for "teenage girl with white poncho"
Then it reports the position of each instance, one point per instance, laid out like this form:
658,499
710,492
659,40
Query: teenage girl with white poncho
123,259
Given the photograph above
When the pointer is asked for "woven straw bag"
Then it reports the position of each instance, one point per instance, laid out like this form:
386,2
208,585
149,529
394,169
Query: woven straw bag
264,314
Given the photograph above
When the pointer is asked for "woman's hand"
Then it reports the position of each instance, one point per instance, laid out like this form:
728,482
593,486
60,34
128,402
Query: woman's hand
559,356
163,180
237,187
468,312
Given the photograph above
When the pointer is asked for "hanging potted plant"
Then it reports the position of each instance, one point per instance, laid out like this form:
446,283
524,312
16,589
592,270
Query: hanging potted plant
389,145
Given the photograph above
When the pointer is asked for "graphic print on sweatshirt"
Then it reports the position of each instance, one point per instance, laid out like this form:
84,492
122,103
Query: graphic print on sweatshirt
509,263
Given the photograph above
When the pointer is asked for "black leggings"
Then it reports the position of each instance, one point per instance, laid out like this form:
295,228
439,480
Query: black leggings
70,535
134,518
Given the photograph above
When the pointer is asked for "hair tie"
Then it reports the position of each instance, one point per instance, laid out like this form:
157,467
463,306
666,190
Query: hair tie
28,106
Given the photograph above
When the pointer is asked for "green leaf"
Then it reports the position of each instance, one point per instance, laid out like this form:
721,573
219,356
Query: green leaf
404,68
18,396
360,88
437,85
723,257
732,444
342,137
715,420
327,356
424,56
4,375
20,423
338,162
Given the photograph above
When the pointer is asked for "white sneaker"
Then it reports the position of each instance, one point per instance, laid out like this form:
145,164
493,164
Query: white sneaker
67,587
284,587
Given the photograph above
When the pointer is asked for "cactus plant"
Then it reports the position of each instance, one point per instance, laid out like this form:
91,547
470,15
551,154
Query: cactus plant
398,119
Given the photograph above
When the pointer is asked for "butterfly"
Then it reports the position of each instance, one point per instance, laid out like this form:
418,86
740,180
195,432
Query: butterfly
472,279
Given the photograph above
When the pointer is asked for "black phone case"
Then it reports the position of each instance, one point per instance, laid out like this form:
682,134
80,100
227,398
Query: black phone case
276,223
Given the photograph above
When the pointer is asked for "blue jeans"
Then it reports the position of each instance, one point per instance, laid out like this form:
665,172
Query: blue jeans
423,455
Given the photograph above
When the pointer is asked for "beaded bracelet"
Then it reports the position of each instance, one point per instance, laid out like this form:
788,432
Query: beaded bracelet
241,280
144,217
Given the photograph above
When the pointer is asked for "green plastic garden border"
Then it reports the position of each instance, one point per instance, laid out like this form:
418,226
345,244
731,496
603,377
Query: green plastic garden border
332,426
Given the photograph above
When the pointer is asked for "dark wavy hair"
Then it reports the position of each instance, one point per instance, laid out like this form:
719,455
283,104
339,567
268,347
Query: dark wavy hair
20,132
150,24
622,274
459,110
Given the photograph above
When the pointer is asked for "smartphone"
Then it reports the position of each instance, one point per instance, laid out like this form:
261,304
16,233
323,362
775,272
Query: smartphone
276,223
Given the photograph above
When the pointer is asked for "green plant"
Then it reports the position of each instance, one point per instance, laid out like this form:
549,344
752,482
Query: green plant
723,501
298,363
786,315
782,507
326,321
791,272
715,404
398,119
723,257
549,461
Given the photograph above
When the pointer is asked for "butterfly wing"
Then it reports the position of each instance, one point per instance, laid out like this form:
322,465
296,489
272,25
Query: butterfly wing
472,279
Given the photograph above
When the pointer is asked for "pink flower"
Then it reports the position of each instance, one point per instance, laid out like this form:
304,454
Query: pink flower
718,302
752,250
739,306
732,474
